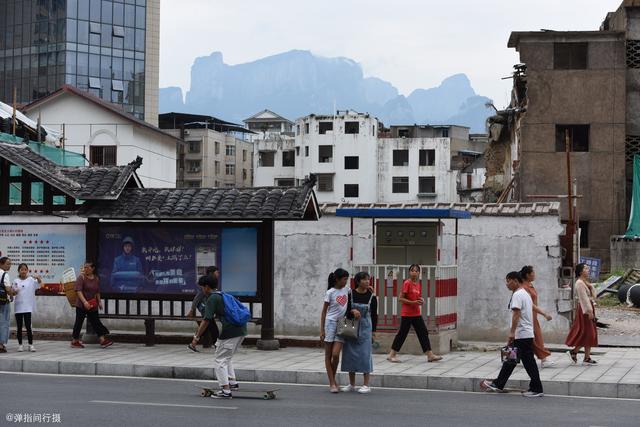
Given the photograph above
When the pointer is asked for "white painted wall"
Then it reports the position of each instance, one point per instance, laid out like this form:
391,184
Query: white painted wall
266,176
87,124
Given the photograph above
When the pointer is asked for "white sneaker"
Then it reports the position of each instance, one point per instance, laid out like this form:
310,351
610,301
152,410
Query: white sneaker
20,348
347,388
32,348
546,363
364,389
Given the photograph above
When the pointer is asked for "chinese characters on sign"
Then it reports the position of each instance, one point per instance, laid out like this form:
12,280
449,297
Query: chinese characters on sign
594,267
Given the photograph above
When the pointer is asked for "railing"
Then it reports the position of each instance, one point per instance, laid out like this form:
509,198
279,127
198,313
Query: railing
439,289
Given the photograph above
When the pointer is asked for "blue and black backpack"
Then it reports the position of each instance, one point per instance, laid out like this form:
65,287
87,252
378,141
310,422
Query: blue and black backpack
234,311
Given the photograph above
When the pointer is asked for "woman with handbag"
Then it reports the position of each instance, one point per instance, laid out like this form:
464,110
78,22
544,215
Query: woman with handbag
356,353
87,305
334,309
584,332
412,301
528,276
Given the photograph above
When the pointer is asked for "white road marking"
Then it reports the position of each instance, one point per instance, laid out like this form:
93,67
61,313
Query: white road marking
115,402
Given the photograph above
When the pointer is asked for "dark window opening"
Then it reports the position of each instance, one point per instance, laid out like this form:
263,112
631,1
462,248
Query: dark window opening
445,133
400,157
584,233
324,127
351,162
578,137
288,158
306,151
403,133
325,182
103,155
194,147
400,184
285,182
351,190
266,158
427,184
325,153
352,128
570,56
306,128
427,157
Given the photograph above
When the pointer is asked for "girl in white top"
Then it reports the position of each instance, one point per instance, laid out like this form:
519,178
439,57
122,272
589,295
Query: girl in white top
25,300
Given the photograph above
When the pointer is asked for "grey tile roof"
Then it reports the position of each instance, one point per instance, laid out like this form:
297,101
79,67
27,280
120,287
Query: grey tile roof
278,203
85,183
476,209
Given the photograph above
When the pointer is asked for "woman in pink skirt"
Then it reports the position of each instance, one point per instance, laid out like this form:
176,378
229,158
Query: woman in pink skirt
583,332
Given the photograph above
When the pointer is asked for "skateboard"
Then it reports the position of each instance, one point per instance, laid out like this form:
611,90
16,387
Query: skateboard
243,394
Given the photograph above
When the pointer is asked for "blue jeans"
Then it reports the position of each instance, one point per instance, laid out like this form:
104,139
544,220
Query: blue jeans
5,315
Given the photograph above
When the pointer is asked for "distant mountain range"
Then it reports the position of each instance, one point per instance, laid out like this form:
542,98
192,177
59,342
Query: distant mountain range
298,83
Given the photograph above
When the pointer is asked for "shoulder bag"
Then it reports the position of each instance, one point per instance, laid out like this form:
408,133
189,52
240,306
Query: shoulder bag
4,296
349,329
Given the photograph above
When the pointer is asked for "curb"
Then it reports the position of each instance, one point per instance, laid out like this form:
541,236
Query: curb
447,383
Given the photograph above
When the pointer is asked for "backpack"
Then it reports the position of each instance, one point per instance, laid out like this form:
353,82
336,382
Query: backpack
234,311
4,297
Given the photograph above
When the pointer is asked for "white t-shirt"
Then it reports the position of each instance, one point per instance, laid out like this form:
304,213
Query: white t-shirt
338,300
522,300
25,299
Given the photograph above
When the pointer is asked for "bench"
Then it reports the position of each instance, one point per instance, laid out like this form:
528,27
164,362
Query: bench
151,310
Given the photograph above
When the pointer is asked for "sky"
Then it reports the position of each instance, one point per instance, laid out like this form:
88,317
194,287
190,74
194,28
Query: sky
410,43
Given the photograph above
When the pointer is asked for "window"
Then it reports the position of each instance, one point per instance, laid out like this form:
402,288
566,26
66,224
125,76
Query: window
229,169
325,153
584,233
325,182
216,183
217,147
288,158
306,128
445,133
217,168
244,174
400,157
306,151
351,162
266,158
117,85
103,155
351,190
193,166
230,150
403,133
578,137
285,182
427,184
325,127
352,128
244,155
297,151
193,184
94,28
297,129
118,31
570,56
194,146
400,184
94,83
427,157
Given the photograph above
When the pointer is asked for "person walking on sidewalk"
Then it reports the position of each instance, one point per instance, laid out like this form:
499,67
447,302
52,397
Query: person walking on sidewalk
25,287
521,336
411,315
87,305
6,296
334,308
356,354
230,339
528,276
199,304
583,332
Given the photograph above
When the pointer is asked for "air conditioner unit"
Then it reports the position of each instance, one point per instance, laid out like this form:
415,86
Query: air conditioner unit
187,132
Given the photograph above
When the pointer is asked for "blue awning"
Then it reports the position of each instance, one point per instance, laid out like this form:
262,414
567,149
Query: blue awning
402,213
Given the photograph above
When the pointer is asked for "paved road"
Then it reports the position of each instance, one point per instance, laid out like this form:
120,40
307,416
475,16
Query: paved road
119,401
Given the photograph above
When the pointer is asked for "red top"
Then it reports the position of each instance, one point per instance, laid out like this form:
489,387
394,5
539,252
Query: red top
412,292
88,287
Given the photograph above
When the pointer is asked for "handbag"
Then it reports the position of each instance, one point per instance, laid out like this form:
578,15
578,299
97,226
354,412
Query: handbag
510,354
350,328
4,296
93,304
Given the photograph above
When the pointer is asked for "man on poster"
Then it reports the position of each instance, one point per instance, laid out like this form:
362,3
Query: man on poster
127,274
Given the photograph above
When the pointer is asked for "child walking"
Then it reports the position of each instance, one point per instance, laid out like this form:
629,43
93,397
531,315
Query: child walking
412,301
335,307
25,287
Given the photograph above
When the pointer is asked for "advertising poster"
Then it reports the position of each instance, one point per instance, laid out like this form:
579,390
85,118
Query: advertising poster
170,259
48,249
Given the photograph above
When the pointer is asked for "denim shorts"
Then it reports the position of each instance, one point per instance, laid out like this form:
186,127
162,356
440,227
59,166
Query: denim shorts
330,328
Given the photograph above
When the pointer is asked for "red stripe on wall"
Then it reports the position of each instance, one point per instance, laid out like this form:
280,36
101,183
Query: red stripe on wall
446,287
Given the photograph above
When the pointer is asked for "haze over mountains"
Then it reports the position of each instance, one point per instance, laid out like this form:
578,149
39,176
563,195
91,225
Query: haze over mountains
296,83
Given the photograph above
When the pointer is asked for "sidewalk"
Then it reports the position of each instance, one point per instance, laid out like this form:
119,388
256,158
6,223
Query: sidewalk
616,375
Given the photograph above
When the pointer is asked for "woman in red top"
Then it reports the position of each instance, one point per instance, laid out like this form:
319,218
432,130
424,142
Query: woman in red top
412,301
87,305
541,352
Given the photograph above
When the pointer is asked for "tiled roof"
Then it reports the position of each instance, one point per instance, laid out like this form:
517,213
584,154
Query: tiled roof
278,203
476,209
85,183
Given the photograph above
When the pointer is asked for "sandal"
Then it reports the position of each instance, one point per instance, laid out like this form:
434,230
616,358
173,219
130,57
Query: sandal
394,360
573,356
589,361
434,359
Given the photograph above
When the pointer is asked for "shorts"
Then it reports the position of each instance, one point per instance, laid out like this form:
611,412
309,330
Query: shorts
330,328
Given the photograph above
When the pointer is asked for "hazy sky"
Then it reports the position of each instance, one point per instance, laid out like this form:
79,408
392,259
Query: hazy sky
410,43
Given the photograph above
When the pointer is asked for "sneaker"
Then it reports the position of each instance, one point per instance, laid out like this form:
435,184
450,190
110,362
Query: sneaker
546,363
532,394
489,386
106,343
364,389
32,348
347,388
77,344
334,389
192,348
589,362
234,386
222,394
20,348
